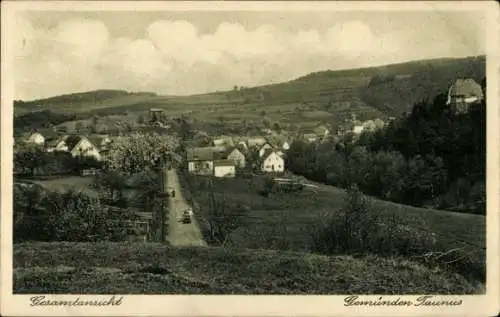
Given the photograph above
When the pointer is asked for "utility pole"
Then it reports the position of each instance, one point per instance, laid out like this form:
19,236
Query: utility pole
163,198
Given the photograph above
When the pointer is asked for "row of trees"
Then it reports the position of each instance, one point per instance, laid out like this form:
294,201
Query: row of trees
430,158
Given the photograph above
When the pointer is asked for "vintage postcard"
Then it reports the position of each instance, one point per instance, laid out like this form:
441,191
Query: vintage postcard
249,158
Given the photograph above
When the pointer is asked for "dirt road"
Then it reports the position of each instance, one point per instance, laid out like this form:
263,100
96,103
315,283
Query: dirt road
180,234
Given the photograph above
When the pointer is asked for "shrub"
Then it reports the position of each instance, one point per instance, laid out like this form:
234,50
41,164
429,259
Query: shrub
357,229
68,216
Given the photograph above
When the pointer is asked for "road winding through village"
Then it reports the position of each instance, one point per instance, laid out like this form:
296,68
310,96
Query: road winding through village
180,234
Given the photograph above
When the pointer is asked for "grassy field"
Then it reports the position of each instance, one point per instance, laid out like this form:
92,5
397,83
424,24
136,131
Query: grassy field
65,183
289,221
127,268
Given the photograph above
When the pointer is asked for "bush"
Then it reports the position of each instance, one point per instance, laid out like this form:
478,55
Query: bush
68,216
357,229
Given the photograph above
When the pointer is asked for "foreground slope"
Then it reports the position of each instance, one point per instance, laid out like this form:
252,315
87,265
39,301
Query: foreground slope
159,269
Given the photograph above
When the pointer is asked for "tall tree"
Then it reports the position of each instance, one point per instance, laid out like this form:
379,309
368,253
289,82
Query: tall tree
138,152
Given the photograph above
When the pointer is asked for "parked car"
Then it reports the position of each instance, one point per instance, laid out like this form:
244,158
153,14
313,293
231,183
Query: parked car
186,217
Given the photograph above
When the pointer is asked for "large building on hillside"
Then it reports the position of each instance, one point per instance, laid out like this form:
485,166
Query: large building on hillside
463,94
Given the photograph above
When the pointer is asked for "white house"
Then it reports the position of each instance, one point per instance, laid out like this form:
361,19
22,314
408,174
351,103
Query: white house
285,146
223,141
272,162
36,138
256,141
242,144
200,160
310,137
357,129
224,168
237,156
369,125
263,149
58,144
84,147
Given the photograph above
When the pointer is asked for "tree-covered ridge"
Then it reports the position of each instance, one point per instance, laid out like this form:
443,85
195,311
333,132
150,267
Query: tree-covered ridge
431,157
35,120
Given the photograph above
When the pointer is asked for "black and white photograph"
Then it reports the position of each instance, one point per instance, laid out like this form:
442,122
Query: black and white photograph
249,148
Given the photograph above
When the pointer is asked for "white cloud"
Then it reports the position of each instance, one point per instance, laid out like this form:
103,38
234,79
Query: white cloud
174,57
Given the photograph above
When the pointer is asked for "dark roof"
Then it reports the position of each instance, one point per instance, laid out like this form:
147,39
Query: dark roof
200,154
223,163
72,141
97,140
52,142
267,152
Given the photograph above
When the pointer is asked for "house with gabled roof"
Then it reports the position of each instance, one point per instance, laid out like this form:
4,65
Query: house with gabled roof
256,141
36,138
82,146
464,93
237,155
272,162
200,160
57,144
263,148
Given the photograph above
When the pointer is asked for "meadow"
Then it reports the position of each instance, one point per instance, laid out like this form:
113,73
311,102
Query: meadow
64,183
138,268
289,222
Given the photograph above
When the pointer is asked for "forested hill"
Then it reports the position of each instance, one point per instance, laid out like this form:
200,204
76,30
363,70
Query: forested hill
388,90
432,157
395,89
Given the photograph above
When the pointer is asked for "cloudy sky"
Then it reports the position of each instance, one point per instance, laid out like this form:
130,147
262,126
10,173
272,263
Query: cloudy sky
194,52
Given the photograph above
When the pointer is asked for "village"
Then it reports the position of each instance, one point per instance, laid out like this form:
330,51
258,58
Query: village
224,155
